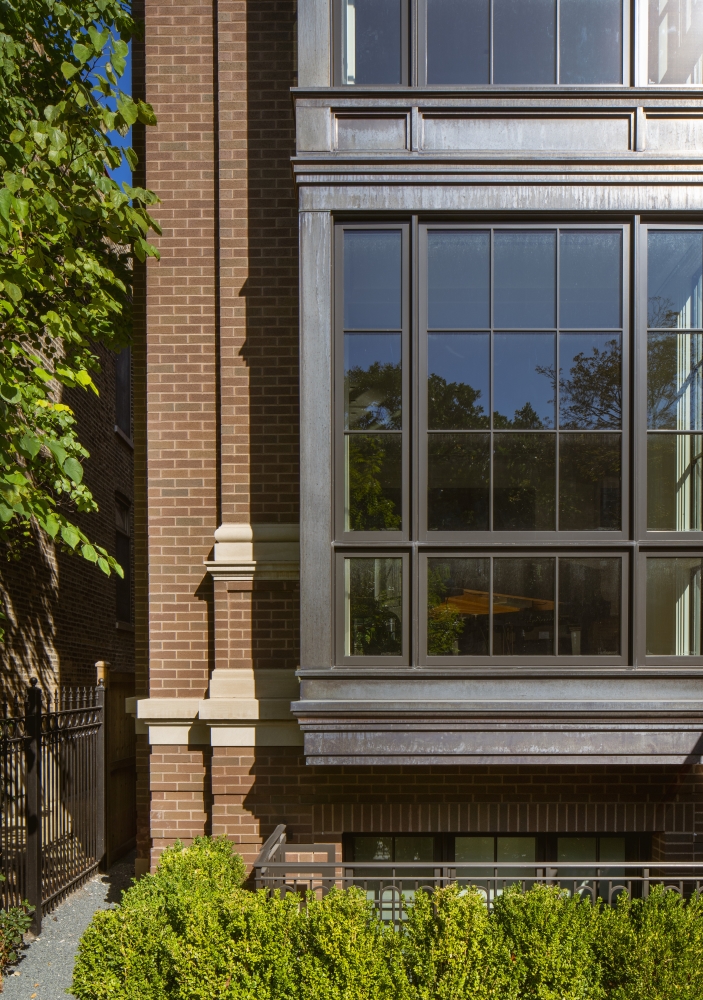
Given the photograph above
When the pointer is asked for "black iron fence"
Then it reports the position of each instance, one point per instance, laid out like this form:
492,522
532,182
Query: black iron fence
391,885
52,804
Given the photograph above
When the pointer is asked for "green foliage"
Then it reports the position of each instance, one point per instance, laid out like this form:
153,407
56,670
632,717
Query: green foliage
550,935
444,623
68,235
372,466
14,924
192,932
452,950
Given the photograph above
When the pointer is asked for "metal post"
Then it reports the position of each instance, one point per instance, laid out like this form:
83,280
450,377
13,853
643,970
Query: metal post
34,803
100,772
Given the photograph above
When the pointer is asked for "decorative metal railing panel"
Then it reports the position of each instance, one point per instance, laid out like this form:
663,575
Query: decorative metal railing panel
52,796
391,886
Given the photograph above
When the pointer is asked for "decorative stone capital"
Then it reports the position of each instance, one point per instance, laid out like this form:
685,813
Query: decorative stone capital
256,552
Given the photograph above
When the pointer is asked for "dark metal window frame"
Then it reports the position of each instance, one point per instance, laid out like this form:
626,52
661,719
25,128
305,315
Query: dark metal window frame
544,662
627,17
638,846
640,606
414,49
406,356
642,433
124,530
364,661
407,45
414,546
421,434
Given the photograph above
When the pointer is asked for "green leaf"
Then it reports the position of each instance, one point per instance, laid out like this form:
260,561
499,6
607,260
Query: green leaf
73,469
98,38
16,134
30,445
89,553
14,291
104,565
57,451
51,526
43,375
82,52
6,200
6,513
70,535
128,109
68,69
146,113
10,393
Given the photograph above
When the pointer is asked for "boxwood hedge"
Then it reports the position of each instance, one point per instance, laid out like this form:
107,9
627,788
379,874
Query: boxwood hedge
192,932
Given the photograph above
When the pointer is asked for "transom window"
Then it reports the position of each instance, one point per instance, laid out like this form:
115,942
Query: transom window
501,497
519,42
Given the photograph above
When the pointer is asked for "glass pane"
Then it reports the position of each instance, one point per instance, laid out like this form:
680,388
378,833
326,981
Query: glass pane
590,279
414,849
589,482
590,41
523,380
674,607
524,479
372,381
374,39
374,482
676,41
675,381
458,279
674,269
457,607
373,606
589,607
458,380
457,41
474,849
373,848
458,481
518,849
577,848
674,482
590,380
525,279
523,607
524,49
612,849
372,280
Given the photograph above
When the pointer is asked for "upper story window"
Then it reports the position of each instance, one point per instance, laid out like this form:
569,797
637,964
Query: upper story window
519,42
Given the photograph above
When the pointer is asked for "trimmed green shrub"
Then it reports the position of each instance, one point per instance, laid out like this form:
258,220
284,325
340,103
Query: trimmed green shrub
192,932
452,949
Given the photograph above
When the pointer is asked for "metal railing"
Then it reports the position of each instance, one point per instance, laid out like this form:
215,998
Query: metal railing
391,885
52,795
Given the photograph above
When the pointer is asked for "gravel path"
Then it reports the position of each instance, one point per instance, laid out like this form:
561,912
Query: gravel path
46,967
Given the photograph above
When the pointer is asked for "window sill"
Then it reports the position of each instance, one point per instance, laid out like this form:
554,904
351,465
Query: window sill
124,437
124,626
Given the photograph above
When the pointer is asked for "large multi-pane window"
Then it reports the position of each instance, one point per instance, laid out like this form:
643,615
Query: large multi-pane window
495,475
519,42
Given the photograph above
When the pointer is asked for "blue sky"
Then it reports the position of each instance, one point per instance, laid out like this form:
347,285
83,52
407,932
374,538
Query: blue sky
123,173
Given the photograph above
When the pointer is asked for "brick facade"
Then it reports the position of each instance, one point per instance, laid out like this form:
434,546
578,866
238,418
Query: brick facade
216,412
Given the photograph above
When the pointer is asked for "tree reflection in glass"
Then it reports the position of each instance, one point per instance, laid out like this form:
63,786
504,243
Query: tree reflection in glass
589,482
373,482
458,381
524,482
590,381
373,607
457,607
458,482
372,381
